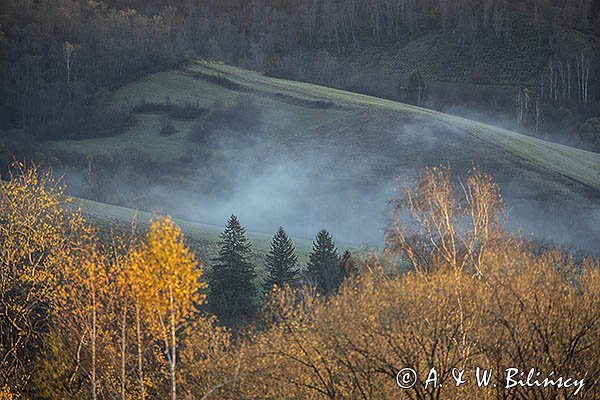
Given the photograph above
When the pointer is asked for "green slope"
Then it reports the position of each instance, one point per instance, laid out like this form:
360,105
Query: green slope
284,103
373,139
201,236
581,165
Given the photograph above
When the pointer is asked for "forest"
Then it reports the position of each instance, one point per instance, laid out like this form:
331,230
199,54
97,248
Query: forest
310,199
61,58
123,314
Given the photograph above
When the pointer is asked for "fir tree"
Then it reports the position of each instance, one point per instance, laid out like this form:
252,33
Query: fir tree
281,262
231,286
324,263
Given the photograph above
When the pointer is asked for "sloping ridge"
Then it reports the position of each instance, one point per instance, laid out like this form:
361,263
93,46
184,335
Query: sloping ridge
580,165
104,212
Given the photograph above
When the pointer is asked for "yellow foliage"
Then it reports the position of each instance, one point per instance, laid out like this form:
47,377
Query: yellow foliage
528,312
207,358
38,236
165,267
122,316
474,297
5,393
449,227
166,282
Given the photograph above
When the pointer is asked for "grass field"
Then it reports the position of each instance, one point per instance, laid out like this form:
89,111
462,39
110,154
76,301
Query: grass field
201,236
365,131
581,165
286,119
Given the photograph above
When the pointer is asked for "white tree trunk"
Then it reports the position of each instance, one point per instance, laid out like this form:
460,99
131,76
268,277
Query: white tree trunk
173,347
139,350
94,330
123,351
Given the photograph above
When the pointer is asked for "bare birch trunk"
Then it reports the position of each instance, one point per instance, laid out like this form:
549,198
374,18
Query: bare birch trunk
173,347
94,331
139,350
123,350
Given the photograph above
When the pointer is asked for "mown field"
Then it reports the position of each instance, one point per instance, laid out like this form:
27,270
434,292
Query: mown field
354,140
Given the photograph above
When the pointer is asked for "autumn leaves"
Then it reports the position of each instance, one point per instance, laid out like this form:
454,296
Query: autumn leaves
104,317
165,280
88,318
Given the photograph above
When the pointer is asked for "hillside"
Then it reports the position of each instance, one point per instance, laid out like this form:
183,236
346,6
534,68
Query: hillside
202,237
309,199
443,57
342,146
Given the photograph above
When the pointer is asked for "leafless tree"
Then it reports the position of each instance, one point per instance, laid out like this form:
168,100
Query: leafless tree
582,69
538,114
68,53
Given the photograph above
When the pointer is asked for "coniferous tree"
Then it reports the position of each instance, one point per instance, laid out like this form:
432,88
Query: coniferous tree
231,280
281,261
324,263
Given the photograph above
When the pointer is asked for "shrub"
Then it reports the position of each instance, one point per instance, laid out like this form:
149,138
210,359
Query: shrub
475,297
234,123
150,107
590,130
99,119
525,313
187,111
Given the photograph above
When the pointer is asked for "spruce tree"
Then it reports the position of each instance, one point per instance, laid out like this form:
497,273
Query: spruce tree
281,262
231,280
324,263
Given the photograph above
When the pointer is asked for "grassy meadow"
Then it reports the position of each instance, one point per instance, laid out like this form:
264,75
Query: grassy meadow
374,139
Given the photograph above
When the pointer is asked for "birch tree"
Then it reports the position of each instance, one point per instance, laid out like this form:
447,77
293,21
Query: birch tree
171,277
37,238
68,53
83,309
582,69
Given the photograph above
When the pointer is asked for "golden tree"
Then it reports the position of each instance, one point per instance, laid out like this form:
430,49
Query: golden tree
83,317
541,311
82,312
123,308
208,362
82,309
38,235
168,286
475,297
5,393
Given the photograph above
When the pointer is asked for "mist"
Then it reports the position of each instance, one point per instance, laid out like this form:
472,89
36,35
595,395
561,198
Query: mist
287,194
310,183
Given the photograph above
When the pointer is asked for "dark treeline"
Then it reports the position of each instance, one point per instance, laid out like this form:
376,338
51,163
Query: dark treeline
233,295
60,58
335,21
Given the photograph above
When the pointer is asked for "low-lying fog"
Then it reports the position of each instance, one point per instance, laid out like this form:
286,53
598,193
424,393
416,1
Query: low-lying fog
313,183
304,202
